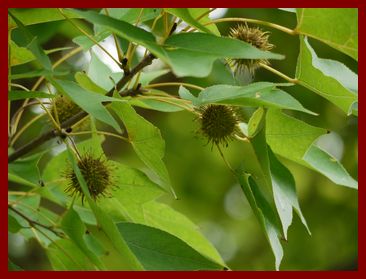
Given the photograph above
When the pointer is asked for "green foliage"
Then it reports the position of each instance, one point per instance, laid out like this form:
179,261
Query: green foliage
141,225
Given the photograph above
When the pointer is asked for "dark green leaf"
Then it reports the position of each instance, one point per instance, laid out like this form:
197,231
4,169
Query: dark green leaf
13,224
158,250
264,212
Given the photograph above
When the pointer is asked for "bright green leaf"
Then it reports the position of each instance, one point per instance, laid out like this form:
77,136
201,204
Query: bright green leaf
288,136
330,79
284,192
337,28
255,94
146,141
85,82
329,166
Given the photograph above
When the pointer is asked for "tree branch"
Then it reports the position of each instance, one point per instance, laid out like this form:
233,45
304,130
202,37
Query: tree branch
77,117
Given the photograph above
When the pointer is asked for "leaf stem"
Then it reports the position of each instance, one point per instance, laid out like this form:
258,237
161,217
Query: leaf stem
278,73
100,133
256,21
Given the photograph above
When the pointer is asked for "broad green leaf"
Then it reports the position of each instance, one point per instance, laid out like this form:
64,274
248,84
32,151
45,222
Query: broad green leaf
75,229
13,224
163,217
38,15
13,267
337,28
21,94
147,77
329,166
255,94
264,212
105,222
64,255
134,190
330,79
184,57
185,94
284,192
134,201
158,250
85,82
94,104
190,17
27,168
146,141
288,136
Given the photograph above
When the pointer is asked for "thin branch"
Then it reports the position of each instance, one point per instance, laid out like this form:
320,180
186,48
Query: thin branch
68,123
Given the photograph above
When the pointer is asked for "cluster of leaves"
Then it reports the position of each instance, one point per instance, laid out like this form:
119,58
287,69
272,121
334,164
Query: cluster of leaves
132,229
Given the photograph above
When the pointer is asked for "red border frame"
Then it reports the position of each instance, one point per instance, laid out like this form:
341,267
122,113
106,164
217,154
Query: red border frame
164,3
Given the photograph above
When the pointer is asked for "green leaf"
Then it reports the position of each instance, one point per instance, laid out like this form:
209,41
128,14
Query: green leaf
33,45
330,79
93,105
27,168
64,255
329,166
189,16
19,55
19,180
255,94
146,141
165,218
197,12
288,136
38,15
284,192
158,250
76,230
13,224
185,94
170,105
337,28
264,212
85,82
134,190
184,57
256,122
21,94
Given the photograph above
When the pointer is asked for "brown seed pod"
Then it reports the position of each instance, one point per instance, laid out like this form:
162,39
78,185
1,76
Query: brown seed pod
257,38
97,173
219,123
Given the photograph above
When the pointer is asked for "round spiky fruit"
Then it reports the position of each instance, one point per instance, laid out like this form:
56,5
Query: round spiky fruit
257,38
97,175
219,123
64,107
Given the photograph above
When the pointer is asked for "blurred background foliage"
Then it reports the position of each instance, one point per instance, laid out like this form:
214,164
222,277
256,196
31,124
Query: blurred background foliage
208,193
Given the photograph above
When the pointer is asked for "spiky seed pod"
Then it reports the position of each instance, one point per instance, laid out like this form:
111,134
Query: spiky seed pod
98,176
257,38
65,108
219,123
